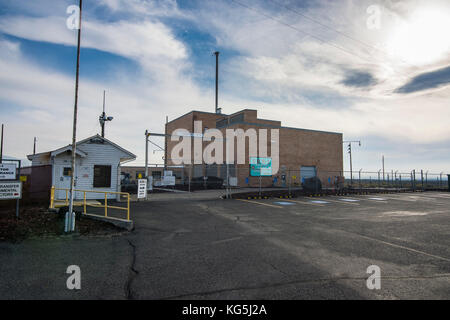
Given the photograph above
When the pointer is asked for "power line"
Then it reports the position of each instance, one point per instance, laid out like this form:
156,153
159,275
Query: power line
307,33
338,31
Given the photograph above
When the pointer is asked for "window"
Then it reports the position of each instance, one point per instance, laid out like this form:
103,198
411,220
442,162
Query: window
156,174
102,176
67,172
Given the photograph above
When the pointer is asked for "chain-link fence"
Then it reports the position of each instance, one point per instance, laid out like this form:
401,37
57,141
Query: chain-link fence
204,177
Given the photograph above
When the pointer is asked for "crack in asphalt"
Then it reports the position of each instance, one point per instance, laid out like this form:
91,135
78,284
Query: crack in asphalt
132,274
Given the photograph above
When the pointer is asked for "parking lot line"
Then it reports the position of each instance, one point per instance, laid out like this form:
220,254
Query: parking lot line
369,199
306,202
403,247
260,203
343,202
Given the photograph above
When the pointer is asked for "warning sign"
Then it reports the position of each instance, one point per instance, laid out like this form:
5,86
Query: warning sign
10,190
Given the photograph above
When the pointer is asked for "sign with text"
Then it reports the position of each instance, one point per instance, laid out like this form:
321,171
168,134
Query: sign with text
7,171
142,189
168,180
10,190
260,167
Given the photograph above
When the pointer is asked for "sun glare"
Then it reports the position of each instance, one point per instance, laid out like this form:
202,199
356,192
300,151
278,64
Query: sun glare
422,39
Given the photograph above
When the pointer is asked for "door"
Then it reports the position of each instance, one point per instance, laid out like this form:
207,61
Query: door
307,172
62,181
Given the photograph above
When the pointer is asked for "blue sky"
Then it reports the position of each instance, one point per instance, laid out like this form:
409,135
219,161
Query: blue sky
377,71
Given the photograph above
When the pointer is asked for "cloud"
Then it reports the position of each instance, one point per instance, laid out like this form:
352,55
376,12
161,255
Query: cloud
359,79
428,80
149,40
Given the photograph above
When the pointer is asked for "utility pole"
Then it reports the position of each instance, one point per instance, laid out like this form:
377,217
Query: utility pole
350,153
1,146
70,222
217,81
351,166
165,144
103,118
146,153
34,146
382,160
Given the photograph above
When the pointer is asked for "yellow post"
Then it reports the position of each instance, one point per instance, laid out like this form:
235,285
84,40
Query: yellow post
67,197
128,207
84,202
106,204
52,197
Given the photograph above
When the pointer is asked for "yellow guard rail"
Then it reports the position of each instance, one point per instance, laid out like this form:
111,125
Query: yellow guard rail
84,203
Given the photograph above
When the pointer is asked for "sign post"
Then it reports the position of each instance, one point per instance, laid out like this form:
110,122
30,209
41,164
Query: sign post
260,167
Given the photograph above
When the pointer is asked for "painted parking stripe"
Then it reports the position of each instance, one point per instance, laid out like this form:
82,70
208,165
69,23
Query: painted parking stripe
348,200
260,203
404,247
307,202
282,203
319,201
343,202
377,199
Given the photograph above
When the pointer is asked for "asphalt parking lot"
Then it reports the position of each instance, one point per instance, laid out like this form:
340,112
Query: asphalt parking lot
208,248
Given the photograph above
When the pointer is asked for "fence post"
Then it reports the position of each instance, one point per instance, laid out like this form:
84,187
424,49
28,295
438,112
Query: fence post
84,202
106,204
360,185
128,206
421,177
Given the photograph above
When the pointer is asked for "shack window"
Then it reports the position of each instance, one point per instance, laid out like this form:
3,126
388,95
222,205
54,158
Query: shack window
67,172
102,176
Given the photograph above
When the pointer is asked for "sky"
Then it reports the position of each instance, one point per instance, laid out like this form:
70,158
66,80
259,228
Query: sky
378,71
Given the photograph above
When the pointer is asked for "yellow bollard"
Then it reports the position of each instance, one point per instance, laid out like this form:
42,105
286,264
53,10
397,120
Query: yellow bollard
52,197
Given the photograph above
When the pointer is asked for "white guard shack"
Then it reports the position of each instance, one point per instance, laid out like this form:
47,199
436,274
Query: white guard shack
97,167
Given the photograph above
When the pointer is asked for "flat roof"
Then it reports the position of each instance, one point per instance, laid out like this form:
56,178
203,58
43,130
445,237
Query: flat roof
255,124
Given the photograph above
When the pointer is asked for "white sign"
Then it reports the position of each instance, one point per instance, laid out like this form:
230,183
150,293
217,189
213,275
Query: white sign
168,173
168,181
10,190
142,188
7,171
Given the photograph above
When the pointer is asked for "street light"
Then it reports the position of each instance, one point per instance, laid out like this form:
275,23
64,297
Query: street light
350,153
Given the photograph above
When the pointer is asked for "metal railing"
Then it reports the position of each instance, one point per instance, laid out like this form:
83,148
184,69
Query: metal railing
85,204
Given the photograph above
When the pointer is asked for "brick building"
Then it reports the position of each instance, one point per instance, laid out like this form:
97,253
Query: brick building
302,153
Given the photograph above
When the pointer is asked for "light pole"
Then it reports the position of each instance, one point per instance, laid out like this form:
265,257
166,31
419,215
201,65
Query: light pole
103,118
350,153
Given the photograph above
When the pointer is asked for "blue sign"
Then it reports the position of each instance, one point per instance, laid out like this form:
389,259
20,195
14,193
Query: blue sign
260,167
